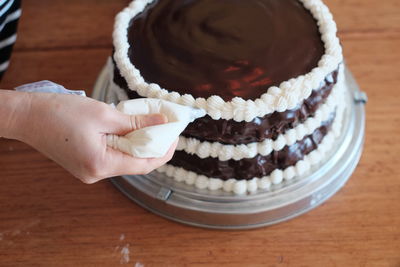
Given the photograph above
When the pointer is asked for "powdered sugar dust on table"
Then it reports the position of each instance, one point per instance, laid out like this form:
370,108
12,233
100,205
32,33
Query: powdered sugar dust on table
203,208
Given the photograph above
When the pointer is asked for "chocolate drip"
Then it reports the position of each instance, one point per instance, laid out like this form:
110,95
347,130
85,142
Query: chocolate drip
227,48
258,166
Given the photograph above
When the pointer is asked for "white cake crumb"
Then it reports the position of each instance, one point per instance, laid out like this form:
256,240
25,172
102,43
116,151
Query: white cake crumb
125,254
122,237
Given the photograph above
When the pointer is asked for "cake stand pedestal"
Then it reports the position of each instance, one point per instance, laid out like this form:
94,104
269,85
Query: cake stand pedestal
221,210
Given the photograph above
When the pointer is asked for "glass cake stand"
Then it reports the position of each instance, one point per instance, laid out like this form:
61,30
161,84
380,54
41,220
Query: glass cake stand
217,209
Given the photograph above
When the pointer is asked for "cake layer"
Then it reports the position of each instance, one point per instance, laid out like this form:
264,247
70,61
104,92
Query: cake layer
268,127
230,48
257,101
258,166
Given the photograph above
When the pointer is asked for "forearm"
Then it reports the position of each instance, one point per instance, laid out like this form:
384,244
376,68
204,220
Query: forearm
14,112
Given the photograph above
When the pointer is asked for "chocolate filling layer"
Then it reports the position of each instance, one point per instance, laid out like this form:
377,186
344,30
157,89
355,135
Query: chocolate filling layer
258,166
227,48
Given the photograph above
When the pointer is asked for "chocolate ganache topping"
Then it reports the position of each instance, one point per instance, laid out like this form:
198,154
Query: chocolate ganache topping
227,48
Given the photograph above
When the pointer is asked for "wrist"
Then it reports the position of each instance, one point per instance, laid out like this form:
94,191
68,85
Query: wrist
14,113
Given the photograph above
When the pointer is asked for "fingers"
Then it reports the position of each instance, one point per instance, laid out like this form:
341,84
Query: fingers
141,121
123,124
117,163
122,163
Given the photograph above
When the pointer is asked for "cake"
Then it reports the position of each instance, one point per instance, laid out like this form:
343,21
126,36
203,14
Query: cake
268,73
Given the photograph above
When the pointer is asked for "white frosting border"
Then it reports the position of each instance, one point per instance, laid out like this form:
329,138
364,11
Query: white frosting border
286,96
240,187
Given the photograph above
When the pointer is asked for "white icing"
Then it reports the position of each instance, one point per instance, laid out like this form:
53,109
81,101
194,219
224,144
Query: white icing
241,187
276,177
228,185
215,184
281,98
264,183
190,178
252,185
202,182
290,172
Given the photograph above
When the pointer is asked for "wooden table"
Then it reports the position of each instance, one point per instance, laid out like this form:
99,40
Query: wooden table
49,218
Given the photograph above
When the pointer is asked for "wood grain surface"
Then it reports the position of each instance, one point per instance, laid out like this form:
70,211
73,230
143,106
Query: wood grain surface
49,218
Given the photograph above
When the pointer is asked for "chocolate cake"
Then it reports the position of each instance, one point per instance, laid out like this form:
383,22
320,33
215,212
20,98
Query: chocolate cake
268,73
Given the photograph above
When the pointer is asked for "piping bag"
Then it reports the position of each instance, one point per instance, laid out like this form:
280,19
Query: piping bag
148,142
153,141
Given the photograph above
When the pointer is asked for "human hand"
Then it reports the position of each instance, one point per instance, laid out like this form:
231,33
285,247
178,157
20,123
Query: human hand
72,130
